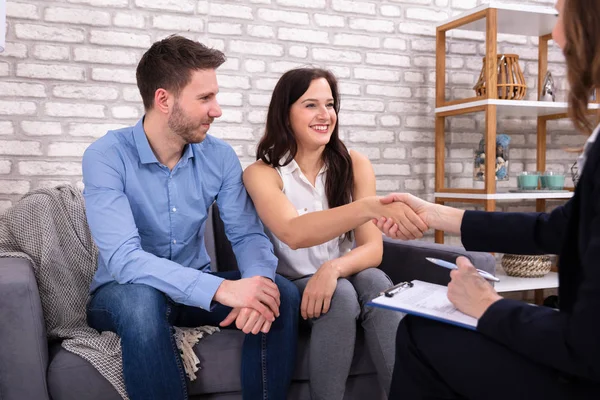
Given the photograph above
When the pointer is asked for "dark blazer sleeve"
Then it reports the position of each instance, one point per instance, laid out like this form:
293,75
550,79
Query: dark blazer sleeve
568,341
515,233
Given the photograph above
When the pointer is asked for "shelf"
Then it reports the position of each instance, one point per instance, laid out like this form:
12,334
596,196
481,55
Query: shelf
515,108
505,196
514,284
513,19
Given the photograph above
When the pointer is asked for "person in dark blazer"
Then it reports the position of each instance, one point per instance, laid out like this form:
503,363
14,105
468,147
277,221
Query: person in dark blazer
520,351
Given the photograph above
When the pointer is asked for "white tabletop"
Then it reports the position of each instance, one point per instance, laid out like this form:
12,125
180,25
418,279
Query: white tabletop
514,284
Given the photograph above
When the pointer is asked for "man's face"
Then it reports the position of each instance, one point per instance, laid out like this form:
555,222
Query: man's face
196,107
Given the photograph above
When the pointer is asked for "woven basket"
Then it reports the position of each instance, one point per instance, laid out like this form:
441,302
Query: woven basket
526,266
511,82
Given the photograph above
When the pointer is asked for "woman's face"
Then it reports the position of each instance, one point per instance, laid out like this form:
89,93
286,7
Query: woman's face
558,33
313,116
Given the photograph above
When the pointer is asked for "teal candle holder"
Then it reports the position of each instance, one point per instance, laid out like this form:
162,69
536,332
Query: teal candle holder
528,180
552,181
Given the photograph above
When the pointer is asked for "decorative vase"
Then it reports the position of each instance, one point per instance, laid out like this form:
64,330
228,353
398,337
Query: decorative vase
502,156
511,82
548,88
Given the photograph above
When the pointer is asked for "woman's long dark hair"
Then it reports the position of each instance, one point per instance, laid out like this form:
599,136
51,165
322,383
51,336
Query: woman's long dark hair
279,140
582,52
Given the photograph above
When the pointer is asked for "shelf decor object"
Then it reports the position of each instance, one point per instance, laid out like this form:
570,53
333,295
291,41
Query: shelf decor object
548,88
510,84
492,19
526,266
502,155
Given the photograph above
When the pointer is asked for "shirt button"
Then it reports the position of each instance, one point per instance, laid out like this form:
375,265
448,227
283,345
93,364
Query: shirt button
174,209
174,241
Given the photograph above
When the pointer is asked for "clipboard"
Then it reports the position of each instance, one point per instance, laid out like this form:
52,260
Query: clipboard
426,300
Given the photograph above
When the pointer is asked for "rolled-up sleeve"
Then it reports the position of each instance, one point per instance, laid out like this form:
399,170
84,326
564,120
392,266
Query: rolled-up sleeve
115,233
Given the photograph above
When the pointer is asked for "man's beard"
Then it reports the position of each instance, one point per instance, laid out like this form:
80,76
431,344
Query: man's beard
182,126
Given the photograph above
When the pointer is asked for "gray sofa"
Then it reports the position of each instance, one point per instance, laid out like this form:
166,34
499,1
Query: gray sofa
33,369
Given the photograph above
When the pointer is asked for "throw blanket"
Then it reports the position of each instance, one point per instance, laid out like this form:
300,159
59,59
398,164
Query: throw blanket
48,227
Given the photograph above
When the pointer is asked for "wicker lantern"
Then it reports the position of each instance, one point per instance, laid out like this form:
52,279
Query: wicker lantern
511,82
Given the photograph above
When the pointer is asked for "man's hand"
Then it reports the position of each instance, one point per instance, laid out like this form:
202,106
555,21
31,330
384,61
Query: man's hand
247,320
409,219
469,291
258,293
319,290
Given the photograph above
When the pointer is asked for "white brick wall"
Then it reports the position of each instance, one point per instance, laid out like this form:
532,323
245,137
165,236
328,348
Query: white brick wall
68,75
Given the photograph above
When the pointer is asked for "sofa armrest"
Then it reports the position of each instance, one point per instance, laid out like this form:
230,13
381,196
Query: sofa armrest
405,260
24,347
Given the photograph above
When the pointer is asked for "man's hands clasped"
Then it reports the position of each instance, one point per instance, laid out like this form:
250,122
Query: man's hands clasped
255,302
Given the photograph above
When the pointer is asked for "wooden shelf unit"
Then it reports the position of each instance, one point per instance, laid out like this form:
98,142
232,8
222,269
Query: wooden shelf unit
492,19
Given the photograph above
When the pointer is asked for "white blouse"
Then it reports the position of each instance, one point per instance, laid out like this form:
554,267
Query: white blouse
306,198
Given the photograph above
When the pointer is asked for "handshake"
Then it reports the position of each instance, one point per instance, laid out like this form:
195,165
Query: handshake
404,216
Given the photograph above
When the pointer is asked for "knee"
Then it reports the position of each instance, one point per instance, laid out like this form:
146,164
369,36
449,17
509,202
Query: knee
372,280
289,307
143,311
345,301
288,293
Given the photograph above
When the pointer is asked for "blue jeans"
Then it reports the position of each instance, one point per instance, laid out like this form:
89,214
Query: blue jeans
143,318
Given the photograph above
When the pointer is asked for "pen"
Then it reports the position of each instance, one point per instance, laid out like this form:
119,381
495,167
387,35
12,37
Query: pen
450,265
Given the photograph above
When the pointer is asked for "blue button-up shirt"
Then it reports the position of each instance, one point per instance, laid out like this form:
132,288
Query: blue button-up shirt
148,221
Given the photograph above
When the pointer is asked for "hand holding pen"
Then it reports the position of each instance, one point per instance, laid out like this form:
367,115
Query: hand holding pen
450,265
468,291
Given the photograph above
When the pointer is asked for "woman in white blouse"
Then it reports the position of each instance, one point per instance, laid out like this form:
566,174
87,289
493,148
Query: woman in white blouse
317,200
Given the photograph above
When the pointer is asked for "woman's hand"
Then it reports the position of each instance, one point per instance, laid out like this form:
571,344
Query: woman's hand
433,216
407,216
469,291
319,290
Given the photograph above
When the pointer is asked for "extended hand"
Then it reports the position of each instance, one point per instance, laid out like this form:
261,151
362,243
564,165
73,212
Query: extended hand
258,293
319,290
247,320
409,216
468,291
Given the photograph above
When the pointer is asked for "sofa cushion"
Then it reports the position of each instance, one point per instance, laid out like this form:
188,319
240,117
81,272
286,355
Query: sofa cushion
70,377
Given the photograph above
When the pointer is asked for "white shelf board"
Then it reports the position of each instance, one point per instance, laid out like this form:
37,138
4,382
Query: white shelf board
506,196
515,19
516,108
514,284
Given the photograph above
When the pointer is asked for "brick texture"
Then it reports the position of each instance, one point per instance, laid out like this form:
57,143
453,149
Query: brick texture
68,75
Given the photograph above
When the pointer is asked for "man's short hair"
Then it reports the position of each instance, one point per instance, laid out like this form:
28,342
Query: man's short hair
168,64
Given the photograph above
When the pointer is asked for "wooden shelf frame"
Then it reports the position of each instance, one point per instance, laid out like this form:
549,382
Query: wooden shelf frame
491,75
485,195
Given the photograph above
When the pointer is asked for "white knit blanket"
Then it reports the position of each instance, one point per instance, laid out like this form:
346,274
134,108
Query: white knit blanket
49,228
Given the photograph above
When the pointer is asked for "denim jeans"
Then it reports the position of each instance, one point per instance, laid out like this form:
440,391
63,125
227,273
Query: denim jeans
143,318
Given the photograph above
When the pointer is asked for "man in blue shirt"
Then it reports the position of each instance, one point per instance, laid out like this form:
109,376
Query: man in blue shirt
148,189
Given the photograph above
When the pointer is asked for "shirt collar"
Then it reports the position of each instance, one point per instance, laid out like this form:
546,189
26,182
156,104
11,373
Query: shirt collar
141,143
145,152
293,167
